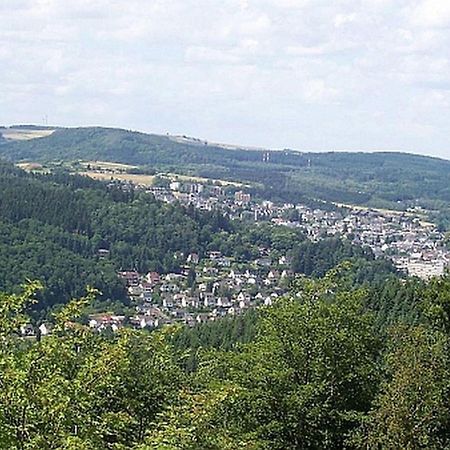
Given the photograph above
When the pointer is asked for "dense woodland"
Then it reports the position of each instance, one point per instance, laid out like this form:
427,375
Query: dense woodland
52,227
314,371
388,180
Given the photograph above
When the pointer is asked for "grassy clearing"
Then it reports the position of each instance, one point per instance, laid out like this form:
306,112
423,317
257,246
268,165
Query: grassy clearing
114,169
194,179
392,212
24,135
144,180
105,171
105,165
33,167
29,166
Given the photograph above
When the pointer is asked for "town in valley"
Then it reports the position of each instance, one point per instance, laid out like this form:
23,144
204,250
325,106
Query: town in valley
211,286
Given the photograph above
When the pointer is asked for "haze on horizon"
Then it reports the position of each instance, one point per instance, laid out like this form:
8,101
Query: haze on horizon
309,75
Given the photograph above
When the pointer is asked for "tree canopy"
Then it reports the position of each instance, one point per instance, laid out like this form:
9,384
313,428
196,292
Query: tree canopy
316,373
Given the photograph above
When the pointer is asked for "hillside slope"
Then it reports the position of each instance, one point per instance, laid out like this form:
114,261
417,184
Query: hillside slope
390,180
53,226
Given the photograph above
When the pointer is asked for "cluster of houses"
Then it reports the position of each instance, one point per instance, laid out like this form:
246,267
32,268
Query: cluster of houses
414,245
205,290
217,286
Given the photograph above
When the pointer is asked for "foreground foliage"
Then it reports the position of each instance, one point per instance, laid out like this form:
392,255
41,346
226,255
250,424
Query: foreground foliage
317,372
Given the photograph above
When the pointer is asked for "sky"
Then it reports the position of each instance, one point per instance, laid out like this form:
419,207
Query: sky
303,74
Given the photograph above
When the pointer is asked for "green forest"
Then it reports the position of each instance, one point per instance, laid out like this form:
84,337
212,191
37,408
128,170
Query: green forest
314,371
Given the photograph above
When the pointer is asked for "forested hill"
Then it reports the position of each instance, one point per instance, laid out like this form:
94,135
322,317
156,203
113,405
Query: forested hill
53,226
390,180
118,145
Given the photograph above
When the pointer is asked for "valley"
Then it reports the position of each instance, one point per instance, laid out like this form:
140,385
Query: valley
149,269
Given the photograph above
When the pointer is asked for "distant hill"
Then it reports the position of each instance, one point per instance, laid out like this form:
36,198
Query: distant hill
119,145
385,179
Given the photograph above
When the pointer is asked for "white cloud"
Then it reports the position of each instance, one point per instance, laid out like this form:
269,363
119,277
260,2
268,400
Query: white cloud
344,19
208,55
249,71
301,50
431,13
318,91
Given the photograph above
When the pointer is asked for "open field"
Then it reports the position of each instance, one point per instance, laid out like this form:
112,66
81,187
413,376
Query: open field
144,180
116,168
29,166
392,212
105,171
105,165
13,134
113,172
33,167
194,179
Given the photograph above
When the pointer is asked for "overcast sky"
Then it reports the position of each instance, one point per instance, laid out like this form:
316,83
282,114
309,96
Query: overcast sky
303,74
